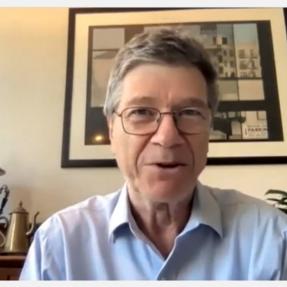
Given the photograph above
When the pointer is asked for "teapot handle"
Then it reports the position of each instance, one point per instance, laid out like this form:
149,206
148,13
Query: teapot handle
2,236
32,229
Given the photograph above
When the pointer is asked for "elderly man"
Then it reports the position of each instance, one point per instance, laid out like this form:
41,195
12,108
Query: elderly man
162,224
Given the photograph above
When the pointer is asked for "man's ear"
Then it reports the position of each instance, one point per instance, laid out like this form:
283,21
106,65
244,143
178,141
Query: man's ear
110,127
110,124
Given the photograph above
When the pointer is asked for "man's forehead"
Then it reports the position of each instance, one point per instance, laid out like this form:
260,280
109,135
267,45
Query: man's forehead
147,81
154,100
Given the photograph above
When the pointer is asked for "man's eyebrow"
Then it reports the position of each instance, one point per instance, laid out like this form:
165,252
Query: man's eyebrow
151,101
142,100
192,102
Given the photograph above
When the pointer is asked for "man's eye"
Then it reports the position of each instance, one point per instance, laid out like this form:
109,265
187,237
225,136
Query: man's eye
141,113
191,113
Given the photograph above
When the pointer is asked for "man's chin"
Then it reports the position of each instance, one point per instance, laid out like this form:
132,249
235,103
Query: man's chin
166,193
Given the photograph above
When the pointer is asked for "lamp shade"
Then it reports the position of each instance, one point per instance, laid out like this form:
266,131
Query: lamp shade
2,171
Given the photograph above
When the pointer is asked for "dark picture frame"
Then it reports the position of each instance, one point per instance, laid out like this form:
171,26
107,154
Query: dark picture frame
85,142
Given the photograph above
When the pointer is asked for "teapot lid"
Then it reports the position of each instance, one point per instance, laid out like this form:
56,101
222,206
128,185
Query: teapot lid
20,208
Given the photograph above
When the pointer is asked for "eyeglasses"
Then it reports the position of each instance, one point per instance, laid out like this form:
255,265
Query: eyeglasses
146,120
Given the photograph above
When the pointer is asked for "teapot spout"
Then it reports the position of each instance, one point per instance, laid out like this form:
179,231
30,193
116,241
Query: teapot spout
32,229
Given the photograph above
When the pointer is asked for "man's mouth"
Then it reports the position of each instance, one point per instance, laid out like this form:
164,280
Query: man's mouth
169,165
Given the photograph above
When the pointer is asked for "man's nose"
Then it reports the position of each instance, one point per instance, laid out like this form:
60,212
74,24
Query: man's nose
167,134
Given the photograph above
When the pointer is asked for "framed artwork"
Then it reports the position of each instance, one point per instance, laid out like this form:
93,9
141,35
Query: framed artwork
248,48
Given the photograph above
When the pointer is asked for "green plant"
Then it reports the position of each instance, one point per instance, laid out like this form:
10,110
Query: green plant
278,197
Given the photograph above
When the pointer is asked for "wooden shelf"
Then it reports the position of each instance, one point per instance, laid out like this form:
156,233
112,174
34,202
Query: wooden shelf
10,266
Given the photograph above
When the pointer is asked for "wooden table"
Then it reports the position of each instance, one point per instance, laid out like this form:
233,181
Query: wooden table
10,266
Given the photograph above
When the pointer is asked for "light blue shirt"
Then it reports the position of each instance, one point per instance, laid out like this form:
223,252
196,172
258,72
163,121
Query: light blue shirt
229,236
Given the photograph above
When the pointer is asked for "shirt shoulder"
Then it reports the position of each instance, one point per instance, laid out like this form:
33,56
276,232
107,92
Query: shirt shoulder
242,207
97,209
96,203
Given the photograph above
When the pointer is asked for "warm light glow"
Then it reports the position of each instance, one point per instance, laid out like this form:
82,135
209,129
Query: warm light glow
98,138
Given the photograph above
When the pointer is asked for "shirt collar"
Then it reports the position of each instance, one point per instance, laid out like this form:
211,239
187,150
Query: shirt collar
121,214
205,211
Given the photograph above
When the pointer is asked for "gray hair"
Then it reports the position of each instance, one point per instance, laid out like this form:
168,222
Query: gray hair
160,46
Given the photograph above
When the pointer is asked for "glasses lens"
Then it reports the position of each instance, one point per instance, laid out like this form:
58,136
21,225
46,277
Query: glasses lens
140,120
193,120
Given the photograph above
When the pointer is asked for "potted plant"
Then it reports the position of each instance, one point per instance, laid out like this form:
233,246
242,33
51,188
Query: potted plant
278,197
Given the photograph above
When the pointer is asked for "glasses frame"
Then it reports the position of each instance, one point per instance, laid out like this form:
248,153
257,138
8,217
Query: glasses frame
174,114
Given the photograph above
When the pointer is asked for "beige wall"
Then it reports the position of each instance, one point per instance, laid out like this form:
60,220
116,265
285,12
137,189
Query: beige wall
32,89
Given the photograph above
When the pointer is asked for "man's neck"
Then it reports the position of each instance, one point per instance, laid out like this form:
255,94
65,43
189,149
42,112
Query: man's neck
161,222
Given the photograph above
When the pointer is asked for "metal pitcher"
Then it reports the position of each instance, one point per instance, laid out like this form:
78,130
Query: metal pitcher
17,239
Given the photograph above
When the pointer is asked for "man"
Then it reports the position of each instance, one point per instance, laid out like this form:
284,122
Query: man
163,224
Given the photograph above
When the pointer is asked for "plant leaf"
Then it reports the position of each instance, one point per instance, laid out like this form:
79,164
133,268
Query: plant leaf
276,191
